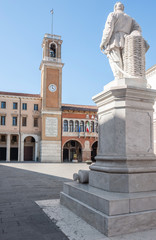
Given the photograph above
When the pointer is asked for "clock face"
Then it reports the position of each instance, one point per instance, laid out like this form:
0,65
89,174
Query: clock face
52,88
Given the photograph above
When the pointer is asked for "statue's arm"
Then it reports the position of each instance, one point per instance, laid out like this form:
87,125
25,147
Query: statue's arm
135,27
107,32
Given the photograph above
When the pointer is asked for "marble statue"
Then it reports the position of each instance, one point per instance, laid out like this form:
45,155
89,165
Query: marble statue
118,194
118,26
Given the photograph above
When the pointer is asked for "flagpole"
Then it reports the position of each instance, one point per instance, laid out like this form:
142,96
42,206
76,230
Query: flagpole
52,12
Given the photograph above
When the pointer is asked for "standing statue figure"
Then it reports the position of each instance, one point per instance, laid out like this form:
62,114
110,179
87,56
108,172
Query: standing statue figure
117,27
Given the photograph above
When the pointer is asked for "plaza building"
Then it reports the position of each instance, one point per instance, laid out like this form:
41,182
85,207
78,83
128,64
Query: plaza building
151,79
37,127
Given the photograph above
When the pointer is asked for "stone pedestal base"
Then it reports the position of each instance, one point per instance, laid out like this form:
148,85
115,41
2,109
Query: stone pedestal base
129,82
121,195
123,182
111,213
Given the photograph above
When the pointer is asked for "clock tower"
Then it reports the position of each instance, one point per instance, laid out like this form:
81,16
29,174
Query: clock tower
51,93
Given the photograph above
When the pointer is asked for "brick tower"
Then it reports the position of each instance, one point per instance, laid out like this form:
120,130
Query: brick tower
51,93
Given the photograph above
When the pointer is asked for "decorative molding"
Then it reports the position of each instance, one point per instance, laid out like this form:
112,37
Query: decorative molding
20,97
51,59
51,64
51,112
53,43
52,36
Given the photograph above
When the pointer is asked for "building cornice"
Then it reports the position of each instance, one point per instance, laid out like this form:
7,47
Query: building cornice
53,37
151,71
51,112
51,64
20,95
74,107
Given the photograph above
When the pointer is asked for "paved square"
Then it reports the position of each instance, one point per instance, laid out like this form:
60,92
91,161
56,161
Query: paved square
24,184
20,217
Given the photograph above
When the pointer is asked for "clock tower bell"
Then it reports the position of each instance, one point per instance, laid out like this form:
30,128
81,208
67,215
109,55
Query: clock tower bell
51,93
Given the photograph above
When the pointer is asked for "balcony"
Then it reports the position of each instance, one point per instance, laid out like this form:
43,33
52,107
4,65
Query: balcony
80,134
51,59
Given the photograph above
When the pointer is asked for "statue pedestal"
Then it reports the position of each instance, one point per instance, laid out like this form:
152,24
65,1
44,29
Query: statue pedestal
121,195
137,82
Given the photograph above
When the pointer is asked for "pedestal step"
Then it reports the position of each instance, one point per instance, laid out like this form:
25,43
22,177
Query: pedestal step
111,213
105,202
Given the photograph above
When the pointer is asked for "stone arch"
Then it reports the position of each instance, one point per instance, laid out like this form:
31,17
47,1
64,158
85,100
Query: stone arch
65,125
77,124
30,147
71,125
30,135
94,150
72,150
53,49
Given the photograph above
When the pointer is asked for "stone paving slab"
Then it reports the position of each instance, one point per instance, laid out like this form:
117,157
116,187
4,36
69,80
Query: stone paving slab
77,229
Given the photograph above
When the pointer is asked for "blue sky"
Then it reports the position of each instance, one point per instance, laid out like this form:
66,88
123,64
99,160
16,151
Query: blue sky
80,23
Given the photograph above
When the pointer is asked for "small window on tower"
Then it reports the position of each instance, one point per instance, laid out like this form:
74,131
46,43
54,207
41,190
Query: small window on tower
53,50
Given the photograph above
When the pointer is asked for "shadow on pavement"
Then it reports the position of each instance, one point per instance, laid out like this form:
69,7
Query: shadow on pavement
20,217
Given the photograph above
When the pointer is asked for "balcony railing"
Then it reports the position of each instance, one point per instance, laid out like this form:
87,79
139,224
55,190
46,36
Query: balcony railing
51,59
80,134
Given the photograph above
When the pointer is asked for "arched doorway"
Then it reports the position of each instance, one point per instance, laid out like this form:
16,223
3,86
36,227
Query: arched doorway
29,149
72,150
94,151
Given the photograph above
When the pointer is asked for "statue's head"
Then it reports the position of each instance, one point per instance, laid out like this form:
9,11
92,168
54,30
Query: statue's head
118,6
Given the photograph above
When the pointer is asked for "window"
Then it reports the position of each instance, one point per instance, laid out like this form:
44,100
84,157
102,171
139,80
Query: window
35,107
24,121
14,121
35,122
14,105
92,126
3,138
14,138
87,126
82,126
3,104
53,50
76,126
2,120
65,126
71,126
24,106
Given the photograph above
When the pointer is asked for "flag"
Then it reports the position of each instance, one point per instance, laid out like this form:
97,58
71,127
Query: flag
87,127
